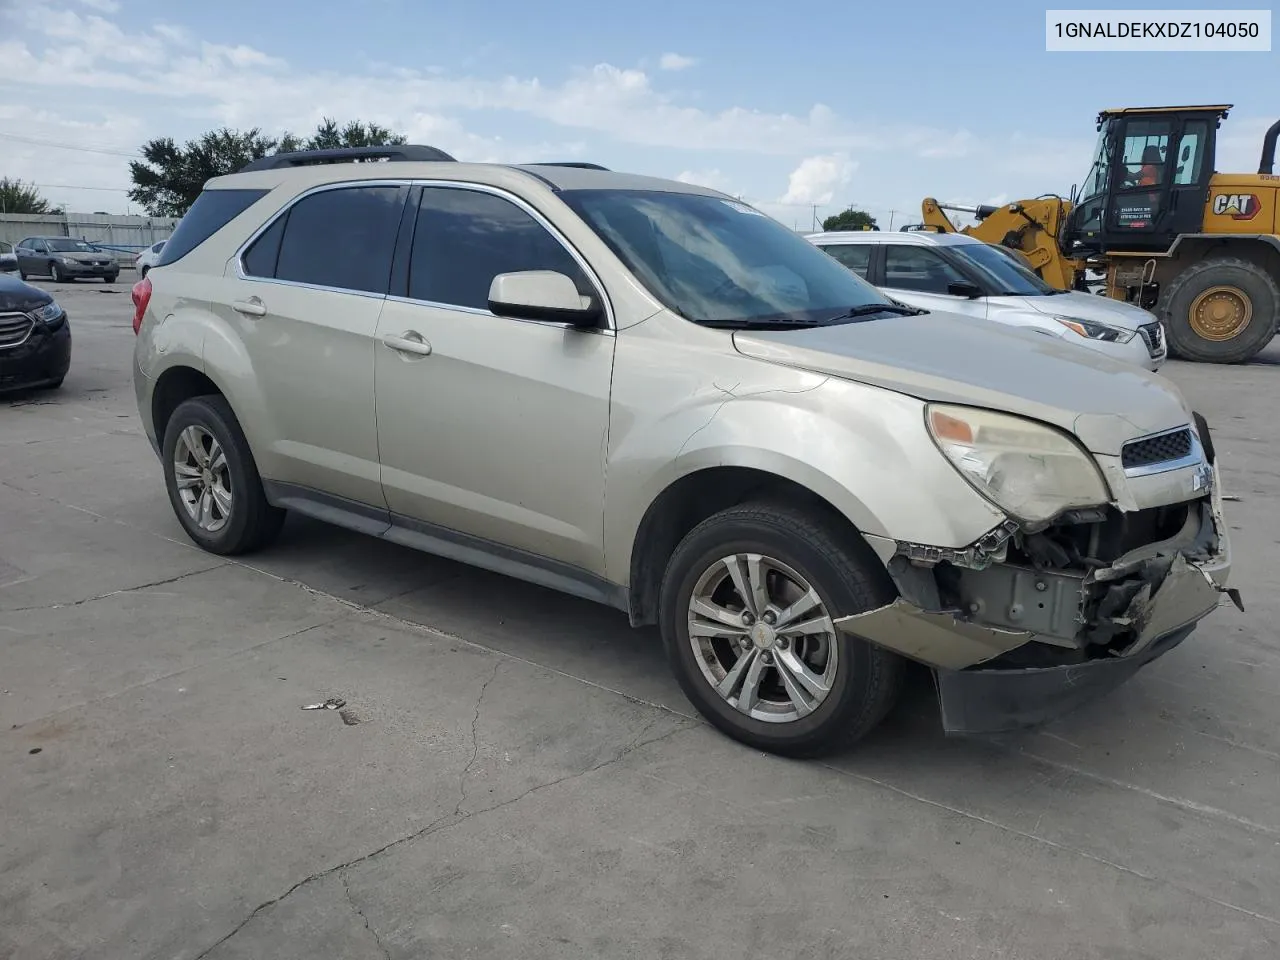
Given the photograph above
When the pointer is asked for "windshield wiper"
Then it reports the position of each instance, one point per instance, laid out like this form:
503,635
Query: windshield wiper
868,309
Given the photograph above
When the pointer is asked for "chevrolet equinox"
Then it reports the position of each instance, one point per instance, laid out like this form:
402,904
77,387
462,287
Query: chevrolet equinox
650,395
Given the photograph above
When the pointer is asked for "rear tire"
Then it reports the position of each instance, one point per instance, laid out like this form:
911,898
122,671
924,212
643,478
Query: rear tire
1225,297
795,550
203,441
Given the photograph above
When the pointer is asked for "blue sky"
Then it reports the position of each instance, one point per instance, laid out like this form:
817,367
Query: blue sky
789,106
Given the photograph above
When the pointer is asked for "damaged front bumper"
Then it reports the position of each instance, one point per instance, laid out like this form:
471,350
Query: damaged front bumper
1016,640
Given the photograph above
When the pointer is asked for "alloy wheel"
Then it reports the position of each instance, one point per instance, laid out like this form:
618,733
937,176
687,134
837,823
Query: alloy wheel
763,638
202,477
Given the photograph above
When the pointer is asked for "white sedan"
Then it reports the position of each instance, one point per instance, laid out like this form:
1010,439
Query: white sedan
960,274
147,258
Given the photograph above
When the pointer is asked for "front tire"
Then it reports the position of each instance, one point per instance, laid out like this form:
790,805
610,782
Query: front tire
747,609
1222,310
212,480
55,273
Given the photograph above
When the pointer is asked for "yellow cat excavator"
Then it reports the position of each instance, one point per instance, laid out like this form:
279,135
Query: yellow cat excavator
1168,232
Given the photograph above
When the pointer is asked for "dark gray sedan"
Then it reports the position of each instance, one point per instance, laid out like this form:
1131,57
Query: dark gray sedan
64,258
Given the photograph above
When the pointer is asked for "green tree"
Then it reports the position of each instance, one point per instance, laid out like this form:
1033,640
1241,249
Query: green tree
169,177
850,219
19,197
330,136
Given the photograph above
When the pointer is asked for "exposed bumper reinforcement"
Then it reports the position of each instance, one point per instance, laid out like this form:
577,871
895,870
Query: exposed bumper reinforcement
996,699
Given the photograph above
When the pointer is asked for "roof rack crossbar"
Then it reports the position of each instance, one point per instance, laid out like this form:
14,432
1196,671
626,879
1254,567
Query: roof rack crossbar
570,163
407,153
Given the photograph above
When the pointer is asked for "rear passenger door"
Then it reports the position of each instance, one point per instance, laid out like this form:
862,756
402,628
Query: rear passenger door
307,296
496,428
919,275
855,256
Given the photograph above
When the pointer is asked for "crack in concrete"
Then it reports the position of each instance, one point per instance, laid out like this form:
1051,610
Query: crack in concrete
346,888
444,823
475,742
115,593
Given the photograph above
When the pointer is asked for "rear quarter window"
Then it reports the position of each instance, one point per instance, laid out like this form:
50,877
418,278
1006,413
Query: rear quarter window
212,211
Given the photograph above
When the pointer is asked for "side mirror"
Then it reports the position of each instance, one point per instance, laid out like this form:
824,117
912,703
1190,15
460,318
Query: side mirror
963,288
542,295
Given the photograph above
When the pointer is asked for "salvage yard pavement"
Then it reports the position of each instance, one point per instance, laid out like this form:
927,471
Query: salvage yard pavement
523,778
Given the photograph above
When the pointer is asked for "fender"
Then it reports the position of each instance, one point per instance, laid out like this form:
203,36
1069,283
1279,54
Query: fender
851,444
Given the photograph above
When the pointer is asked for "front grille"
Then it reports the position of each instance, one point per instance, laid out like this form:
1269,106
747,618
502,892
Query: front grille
14,329
1157,449
1153,337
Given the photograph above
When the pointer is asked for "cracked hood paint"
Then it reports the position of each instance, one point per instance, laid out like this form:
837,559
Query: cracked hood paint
949,358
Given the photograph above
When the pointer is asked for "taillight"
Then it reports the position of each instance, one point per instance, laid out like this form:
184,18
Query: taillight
141,297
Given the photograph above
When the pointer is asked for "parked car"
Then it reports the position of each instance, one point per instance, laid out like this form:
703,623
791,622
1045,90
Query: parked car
961,274
64,258
648,394
35,337
8,259
147,258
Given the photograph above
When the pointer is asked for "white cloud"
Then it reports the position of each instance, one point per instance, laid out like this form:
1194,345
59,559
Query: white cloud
712,179
676,61
105,6
816,179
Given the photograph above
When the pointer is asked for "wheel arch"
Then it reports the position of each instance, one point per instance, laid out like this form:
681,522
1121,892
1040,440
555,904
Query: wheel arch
697,495
1262,249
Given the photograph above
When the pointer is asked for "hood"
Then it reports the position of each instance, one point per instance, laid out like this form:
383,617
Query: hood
1090,306
17,296
84,256
949,358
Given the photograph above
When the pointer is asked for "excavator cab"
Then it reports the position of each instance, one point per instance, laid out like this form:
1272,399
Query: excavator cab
1148,181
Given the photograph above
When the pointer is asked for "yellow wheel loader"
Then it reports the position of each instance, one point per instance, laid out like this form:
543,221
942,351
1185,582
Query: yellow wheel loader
1167,231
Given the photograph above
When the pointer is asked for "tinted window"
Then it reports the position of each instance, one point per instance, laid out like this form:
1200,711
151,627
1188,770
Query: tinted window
342,238
260,259
212,211
718,261
1002,273
855,256
465,238
1145,143
918,268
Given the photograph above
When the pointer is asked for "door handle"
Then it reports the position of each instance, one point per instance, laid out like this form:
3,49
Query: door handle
408,342
253,307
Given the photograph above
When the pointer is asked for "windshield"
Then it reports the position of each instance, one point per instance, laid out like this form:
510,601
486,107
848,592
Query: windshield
1002,272
720,262
67,245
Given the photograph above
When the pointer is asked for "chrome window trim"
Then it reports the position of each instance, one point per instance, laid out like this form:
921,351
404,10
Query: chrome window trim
267,224
499,192
1193,458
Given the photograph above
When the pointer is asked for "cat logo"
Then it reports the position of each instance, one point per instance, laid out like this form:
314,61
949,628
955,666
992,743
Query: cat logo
1239,206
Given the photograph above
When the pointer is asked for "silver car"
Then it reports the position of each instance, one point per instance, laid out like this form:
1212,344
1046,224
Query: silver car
960,274
650,395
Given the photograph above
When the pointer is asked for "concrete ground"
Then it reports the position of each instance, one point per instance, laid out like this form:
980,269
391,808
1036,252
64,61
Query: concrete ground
521,778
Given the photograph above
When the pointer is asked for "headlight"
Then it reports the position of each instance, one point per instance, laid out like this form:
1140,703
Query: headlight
1031,471
67,261
1097,331
48,313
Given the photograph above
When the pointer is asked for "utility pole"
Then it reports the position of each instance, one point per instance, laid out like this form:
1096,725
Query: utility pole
891,215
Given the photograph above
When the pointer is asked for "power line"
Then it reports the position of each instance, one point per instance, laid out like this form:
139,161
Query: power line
37,141
78,186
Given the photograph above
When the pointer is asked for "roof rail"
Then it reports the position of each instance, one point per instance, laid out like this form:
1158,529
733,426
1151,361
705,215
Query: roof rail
408,153
570,163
